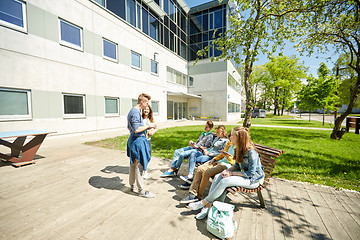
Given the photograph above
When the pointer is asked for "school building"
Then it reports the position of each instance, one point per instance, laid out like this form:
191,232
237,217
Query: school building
75,66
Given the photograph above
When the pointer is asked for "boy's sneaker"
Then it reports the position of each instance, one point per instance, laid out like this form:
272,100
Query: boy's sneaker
189,199
186,179
185,186
146,194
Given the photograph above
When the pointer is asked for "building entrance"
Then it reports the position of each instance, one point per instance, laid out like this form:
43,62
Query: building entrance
177,110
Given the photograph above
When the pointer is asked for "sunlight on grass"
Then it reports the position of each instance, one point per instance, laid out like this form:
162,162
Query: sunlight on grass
310,155
288,121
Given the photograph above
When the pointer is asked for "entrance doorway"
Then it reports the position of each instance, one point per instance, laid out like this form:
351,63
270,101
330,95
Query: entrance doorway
177,110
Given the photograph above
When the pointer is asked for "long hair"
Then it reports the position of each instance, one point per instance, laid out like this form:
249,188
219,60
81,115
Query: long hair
223,130
243,143
150,115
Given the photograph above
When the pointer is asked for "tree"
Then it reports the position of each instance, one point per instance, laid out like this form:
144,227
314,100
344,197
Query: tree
307,97
254,26
327,86
347,78
334,23
285,78
319,92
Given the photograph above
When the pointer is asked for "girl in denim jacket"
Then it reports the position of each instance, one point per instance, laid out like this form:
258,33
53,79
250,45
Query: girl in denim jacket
246,172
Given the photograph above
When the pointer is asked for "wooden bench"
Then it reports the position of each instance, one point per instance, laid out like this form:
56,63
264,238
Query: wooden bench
268,158
353,122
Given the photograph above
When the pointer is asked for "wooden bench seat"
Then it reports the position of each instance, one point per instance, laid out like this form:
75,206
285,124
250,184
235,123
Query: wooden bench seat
268,158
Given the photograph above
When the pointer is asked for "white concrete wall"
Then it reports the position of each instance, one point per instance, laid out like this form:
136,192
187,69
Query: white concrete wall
41,64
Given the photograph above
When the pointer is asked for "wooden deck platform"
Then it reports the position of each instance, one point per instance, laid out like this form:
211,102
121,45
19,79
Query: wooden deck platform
81,192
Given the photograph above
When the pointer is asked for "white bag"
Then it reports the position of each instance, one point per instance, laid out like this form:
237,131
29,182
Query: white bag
220,221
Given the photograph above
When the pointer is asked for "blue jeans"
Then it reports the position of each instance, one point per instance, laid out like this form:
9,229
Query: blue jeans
219,185
180,154
197,157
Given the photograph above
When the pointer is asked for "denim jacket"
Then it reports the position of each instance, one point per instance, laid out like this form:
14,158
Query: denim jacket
251,166
217,145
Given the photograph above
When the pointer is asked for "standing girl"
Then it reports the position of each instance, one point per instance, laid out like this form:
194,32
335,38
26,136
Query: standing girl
147,115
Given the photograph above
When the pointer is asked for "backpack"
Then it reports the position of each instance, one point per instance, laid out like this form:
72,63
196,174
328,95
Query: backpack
219,221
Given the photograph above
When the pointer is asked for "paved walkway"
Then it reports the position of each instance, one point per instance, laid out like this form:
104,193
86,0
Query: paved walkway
76,191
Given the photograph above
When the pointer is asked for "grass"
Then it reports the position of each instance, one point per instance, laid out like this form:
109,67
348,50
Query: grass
286,120
310,155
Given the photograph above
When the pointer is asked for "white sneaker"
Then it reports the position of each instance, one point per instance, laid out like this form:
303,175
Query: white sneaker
203,213
144,174
196,205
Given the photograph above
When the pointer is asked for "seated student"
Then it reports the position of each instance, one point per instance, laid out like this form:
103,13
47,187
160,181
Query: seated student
203,142
217,145
209,169
246,172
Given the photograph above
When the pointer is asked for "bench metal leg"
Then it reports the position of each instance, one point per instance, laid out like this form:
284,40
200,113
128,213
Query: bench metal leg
262,203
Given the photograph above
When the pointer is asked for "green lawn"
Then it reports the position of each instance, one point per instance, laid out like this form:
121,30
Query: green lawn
288,121
310,155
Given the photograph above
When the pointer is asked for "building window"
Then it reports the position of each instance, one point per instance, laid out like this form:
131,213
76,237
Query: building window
135,60
109,50
101,2
14,103
131,12
234,84
191,81
133,102
70,35
138,15
233,107
13,14
111,106
74,105
155,106
154,67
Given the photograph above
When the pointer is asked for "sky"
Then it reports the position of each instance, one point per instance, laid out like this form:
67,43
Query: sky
313,62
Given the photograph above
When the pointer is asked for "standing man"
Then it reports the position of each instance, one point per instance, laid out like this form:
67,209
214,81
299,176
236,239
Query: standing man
138,149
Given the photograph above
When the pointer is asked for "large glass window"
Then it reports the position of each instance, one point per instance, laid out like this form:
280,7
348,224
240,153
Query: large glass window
13,14
166,6
155,106
154,67
218,19
70,35
111,106
131,12
74,105
101,2
109,50
117,7
14,103
138,15
145,21
135,60
154,28
172,10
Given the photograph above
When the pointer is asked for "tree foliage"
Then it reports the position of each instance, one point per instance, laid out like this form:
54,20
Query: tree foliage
256,26
334,23
319,92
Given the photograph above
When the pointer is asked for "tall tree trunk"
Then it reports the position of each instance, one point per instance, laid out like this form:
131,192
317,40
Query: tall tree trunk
309,115
247,73
354,96
276,101
323,116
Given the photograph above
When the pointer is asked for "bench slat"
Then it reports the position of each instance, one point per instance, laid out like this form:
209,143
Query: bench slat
268,159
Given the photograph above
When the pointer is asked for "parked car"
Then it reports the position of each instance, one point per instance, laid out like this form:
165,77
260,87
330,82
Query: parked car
256,113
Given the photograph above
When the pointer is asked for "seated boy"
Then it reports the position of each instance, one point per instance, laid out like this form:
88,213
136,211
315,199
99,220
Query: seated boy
202,143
